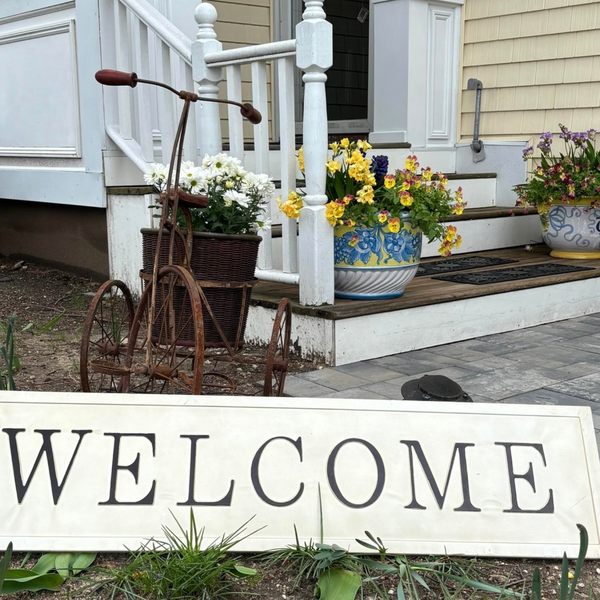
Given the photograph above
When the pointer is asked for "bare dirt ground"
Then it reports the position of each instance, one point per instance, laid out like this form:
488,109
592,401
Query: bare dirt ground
50,362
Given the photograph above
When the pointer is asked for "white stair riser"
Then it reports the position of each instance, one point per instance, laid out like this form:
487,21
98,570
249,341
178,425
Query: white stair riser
372,336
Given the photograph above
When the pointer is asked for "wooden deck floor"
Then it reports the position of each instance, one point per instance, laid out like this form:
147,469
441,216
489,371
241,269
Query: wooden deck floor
423,291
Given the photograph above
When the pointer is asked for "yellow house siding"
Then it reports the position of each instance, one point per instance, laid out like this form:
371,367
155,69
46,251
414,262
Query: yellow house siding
243,23
539,62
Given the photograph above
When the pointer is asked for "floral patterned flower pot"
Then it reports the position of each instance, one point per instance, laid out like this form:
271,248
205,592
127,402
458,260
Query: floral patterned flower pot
373,263
573,230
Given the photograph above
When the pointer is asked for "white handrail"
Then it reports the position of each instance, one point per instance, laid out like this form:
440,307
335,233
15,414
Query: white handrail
162,27
248,54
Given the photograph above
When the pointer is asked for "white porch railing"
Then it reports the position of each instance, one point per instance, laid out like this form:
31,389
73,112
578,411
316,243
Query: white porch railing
136,37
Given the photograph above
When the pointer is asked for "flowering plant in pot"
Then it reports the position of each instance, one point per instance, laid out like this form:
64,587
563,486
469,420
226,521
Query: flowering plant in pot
225,234
379,219
237,198
565,189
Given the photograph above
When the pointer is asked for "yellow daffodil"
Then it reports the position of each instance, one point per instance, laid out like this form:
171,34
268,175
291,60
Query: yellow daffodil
329,214
365,195
334,147
394,224
363,145
333,166
345,143
356,157
301,159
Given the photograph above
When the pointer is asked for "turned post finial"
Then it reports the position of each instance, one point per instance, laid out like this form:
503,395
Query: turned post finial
206,17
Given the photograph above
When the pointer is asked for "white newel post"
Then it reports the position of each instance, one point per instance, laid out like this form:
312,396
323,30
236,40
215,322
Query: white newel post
314,55
416,98
208,79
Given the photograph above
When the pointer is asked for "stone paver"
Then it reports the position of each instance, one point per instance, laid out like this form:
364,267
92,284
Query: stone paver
333,379
367,370
556,363
587,387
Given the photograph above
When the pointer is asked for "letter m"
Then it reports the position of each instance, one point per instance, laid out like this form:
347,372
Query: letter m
414,448
46,448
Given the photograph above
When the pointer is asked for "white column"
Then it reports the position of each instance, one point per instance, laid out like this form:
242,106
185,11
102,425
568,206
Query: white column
208,78
416,46
314,56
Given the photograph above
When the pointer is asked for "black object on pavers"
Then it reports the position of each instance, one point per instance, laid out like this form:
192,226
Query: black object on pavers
512,274
464,263
434,387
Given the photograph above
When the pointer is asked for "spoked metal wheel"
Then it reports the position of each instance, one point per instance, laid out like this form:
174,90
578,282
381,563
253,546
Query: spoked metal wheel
165,354
278,352
105,337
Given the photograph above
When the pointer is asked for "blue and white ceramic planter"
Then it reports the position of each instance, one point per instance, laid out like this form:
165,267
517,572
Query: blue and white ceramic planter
374,263
573,230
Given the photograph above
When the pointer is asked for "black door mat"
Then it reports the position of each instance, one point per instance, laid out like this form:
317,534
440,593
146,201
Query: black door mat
511,274
464,263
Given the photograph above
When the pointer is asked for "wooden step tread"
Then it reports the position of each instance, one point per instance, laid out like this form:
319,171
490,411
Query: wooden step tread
425,291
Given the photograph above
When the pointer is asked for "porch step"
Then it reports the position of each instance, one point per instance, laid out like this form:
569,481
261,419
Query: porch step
432,312
492,228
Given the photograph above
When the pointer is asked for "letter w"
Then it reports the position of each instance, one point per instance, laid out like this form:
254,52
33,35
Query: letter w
46,448
459,449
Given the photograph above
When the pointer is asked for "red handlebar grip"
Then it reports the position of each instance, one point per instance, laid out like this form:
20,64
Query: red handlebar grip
250,113
111,77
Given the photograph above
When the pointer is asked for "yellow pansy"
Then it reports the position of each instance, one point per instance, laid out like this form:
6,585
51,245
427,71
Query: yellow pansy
426,174
389,181
394,224
411,163
406,199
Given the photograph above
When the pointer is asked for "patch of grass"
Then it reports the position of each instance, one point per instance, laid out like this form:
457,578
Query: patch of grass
180,568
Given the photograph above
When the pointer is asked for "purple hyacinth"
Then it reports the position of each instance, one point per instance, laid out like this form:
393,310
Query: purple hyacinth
379,166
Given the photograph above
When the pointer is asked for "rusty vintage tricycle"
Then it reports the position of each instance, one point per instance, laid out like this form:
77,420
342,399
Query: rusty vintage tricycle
160,347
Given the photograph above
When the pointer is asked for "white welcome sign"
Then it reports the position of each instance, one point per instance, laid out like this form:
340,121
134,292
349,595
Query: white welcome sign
101,472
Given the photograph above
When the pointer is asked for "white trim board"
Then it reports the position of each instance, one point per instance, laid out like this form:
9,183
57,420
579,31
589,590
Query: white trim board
55,186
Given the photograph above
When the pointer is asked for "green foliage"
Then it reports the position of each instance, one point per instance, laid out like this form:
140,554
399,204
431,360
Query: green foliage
9,362
566,592
338,584
23,580
180,567
66,564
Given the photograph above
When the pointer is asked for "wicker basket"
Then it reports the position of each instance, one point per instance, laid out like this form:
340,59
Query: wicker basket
215,258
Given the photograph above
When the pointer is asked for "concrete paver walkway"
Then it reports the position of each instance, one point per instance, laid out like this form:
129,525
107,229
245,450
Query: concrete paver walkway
557,363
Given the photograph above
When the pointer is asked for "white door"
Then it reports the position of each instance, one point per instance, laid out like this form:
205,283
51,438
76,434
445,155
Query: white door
51,123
